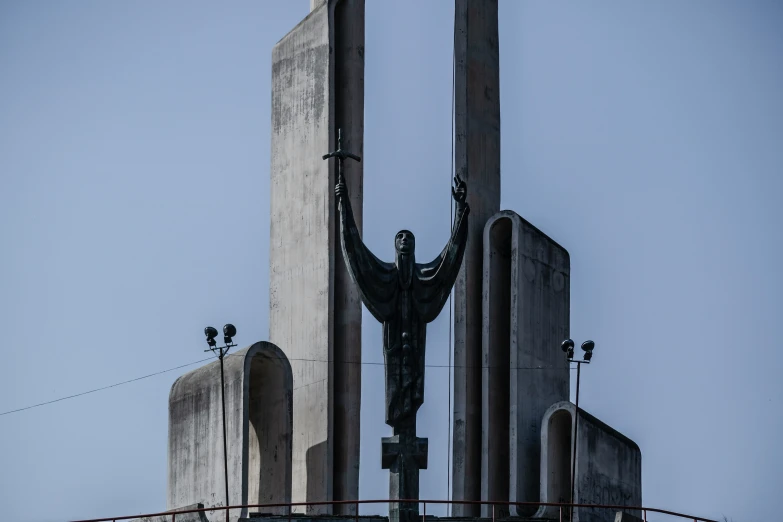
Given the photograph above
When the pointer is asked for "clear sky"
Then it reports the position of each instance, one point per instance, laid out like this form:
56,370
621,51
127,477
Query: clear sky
647,138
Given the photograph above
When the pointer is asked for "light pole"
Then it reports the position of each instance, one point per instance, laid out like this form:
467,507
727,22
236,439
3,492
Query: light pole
568,347
229,331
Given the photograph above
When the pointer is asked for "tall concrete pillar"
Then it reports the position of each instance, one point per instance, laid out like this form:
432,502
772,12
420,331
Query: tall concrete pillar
477,161
315,312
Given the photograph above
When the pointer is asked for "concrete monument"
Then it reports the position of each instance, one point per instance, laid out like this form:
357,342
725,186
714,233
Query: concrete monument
404,296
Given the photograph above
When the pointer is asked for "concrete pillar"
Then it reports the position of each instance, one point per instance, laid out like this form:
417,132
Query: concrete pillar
525,317
477,161
315,312
258,392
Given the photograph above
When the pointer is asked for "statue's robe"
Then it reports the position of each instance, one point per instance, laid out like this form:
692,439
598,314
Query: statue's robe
404,296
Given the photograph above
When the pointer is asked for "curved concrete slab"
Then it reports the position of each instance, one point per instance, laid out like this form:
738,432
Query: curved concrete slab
526,288
258,393
608,465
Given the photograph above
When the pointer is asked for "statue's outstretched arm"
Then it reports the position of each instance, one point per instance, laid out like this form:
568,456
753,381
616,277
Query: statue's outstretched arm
437,278
374,278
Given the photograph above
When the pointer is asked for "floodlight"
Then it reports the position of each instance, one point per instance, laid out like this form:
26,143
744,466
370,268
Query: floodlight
211,333
568,347
229,331
588,347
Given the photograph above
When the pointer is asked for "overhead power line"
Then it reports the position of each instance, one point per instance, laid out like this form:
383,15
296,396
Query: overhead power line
102,388
370,363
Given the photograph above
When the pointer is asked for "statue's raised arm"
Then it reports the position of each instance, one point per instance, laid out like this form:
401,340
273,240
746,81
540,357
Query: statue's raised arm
437,277
373,277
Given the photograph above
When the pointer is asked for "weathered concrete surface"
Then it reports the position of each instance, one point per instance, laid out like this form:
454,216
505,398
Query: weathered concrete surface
525,317
477,160
315,312
258,393
626,517
608,465
187,517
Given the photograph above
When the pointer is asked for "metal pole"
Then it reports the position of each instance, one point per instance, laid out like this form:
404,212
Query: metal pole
573,453
225,442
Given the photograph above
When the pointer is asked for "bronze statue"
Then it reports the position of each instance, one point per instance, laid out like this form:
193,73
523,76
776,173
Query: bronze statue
404,296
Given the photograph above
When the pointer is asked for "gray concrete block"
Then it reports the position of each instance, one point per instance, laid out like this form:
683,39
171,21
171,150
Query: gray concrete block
622,516
187,517
315,312
477,161
258,395
608,465
525,318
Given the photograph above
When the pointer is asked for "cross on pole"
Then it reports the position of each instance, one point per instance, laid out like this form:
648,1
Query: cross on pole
341,155
404,455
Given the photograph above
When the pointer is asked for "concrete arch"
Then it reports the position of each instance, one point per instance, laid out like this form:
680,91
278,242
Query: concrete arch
258,393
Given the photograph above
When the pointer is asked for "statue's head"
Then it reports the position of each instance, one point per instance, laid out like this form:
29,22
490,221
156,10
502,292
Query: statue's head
404,242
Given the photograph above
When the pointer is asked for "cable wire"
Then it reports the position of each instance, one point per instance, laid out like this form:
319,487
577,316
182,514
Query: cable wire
324,361
103,388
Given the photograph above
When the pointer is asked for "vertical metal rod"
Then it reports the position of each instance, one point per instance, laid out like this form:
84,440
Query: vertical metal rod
493,512
225,441
560,515
356,515
573,453
424,513
645,515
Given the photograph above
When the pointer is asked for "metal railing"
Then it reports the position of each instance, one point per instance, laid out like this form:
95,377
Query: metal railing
563,509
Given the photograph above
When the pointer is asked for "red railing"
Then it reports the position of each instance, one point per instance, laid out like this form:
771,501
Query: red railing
563,509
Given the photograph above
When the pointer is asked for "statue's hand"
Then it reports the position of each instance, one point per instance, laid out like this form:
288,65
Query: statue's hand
340,190
460,190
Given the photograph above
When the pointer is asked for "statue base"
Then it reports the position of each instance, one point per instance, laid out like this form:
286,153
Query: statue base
404,455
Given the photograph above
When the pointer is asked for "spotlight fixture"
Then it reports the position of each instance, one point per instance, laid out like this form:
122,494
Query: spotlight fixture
588,347
230,331
211,333
568,348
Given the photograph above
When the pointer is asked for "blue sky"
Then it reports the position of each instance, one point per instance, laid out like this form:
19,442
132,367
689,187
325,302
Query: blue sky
647,138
